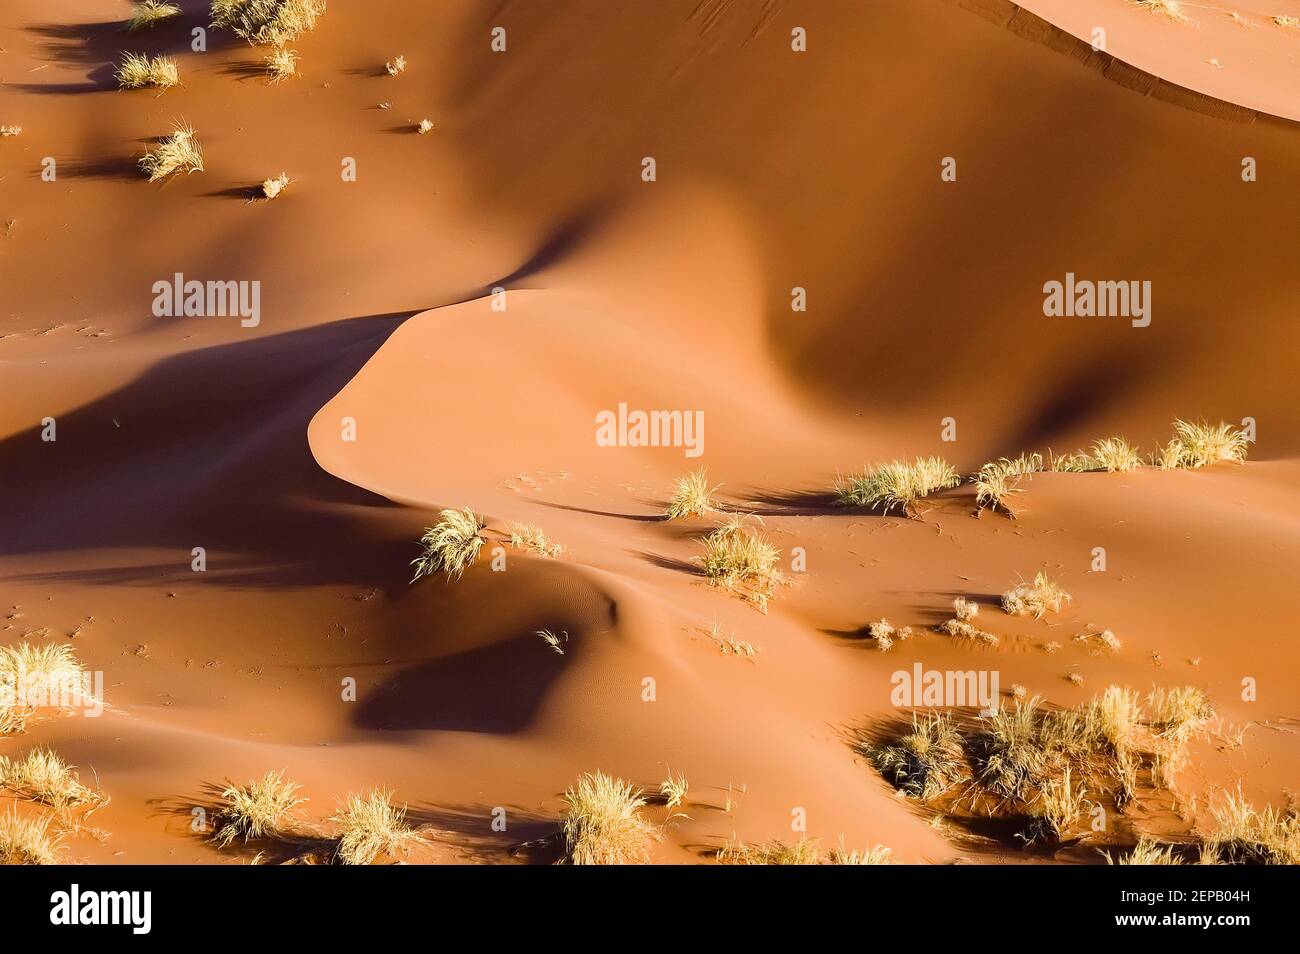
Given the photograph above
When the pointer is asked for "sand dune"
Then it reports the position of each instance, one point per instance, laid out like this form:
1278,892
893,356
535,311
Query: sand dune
444,331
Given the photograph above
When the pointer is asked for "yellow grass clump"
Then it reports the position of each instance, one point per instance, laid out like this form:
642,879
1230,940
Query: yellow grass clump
26,841
1202,444
928,761
34,677
964,611
998,481
178,152
281,64
603,823
44,777
424,127
149,13
896,484
264,808
1246,836
729,645
692,496
1115,454
554,641
372,827
803,852
1036,598
396,66
451,545
1057,808
275,185
1146,852
1290,23
138,70
1173,9
527,536
741,559
6,131
267,22
673,790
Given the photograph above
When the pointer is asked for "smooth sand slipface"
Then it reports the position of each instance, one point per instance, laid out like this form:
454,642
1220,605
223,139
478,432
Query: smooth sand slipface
774,170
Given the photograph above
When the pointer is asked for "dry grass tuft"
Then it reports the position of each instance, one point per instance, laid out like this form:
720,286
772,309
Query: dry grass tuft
1057,809
149,13
6,131
1115,454
729,645
396,66
138,70
1289,23
424,127
44,777
741,559
1173,9
1245,836
267,22
803,852
33,677
692,496
999,480
179,152
896,484
451,545
275,185
26,841
603,823
372,827
527,536
554,641
264,808
281,64
928,761
674,790
1035,599
1202,444
1146,852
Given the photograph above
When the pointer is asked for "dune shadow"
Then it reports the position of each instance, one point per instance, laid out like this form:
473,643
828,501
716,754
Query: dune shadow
530,837
115,167
639,517
209,448
669,563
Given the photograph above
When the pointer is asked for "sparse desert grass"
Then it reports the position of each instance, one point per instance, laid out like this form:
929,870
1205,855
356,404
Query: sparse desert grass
267,22
373,827
450,545
281,64
803,852
1103,641
729,645
1202,444
1115,454
554,641
884,633
692,496
396,66
961,624
1175,716
1010,753
273,186
928,761
138,70
33,677
742,559
6,131
1036,598
1075,463
149,13
1289,23
264,808
1057,809
674,790
1173,9
603,823
178,152
1245,836
1146,852
896,484
44,777
26,840
527,536
424,127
